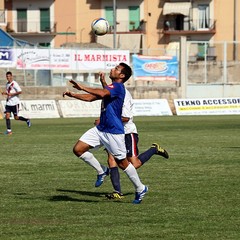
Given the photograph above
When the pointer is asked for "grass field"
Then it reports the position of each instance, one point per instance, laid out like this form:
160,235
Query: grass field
48,193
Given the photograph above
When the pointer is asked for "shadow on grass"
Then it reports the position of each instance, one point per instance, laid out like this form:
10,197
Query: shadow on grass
67,198
63,198
83,193
87,193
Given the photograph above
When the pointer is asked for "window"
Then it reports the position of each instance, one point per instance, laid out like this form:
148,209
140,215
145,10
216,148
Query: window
202,50
203,14
2,16
44,44
134,17
22,20
109,15
179,21
45,20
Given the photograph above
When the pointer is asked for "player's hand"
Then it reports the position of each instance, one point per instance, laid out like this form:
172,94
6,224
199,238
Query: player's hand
96,122
102,79
67,93
102,76
75,85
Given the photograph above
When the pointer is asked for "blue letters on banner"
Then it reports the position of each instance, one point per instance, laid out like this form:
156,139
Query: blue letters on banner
149,68
6,58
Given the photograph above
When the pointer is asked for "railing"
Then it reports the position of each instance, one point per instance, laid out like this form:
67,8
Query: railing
128,26
2,16
24,26
189,25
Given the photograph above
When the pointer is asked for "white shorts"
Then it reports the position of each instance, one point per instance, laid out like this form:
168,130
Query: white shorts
114,143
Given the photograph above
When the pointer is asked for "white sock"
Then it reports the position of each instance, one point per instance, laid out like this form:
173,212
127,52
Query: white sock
104,168
88,158
134,178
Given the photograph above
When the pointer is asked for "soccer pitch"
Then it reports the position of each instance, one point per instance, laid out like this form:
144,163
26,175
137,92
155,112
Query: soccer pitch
48,193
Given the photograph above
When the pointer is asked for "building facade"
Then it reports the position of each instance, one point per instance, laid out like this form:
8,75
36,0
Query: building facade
139,24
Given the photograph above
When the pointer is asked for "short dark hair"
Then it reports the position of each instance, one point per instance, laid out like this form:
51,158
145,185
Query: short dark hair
8,73
127,71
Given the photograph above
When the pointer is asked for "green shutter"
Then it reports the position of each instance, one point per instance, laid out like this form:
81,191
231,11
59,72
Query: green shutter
45,20
134,17
22,20
109,15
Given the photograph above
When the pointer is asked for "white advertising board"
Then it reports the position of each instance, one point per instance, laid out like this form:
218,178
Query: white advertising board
151,107
76,108
207,106
141,107
37,109
70,59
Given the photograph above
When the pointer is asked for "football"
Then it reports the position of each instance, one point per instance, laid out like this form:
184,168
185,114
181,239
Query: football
100,26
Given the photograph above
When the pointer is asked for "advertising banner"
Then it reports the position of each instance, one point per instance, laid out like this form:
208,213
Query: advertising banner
37,108
70,59
151,107
207,106
76,108
7,58
141,107
163,68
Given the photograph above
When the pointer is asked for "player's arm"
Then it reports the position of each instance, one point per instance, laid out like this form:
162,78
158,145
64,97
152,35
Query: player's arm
11,94
99,93
125,119
102,79
84,97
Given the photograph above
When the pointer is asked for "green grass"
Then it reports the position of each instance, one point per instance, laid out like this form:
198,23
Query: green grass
48,193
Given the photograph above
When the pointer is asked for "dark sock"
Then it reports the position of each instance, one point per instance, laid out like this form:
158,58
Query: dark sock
145,156
23,119
8,123
115,179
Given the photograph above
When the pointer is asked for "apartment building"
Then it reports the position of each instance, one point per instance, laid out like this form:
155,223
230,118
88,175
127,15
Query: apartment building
141,25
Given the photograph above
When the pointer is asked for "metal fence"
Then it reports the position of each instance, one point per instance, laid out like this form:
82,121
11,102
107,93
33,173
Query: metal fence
207,63
213,63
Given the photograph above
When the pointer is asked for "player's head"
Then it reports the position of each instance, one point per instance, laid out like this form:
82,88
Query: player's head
9,76
126,70
121,72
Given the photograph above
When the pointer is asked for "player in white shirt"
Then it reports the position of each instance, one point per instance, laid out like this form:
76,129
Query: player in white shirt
13,90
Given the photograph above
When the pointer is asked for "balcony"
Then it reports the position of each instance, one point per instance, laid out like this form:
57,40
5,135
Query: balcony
128,26
188,27
26,28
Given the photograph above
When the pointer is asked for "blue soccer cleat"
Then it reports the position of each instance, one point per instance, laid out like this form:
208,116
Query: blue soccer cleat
139,195
100,178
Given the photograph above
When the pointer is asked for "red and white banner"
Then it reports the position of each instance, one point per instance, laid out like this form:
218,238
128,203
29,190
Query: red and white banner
70,59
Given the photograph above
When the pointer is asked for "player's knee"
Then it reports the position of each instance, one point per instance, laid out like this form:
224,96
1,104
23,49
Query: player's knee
123,164
80,148
76,151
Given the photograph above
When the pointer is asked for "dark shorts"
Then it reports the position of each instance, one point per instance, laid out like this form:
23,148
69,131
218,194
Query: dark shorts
12,109
131,141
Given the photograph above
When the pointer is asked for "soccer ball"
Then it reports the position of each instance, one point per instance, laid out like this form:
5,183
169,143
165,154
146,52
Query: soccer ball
100,26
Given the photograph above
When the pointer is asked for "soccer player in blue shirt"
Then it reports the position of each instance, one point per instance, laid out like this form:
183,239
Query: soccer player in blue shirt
110,131
131,141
